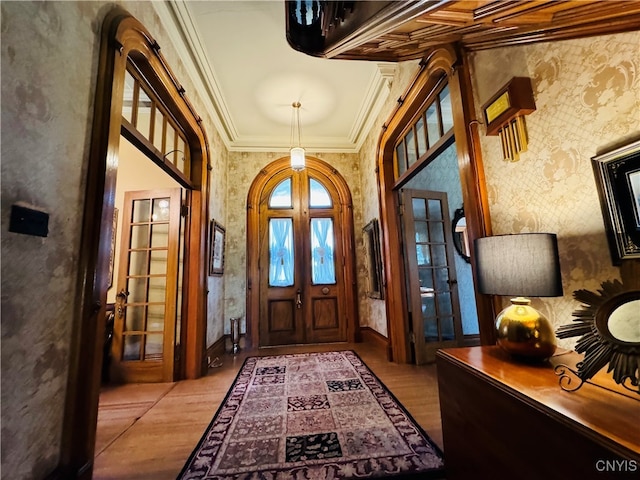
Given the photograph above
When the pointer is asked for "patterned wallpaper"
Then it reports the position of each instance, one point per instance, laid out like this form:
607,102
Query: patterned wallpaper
47,93
372,311
49,69
218,211
587,94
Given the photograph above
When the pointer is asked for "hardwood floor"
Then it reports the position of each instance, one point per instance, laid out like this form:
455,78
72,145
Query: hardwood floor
147,431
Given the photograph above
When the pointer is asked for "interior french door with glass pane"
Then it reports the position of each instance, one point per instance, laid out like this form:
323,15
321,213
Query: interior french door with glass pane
148,299
302,294
431,273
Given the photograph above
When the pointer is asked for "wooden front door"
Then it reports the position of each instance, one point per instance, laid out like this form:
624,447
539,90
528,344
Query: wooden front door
431,274
148,300
301,259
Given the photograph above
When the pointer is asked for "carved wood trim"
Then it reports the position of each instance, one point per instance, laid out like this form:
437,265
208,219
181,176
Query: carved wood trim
472,178
397,31
442,62
123,36
348,234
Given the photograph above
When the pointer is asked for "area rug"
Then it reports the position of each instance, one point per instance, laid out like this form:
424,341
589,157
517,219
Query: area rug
311,416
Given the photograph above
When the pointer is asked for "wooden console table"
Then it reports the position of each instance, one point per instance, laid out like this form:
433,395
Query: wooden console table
504,419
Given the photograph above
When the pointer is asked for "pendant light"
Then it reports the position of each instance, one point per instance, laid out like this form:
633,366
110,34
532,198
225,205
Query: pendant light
296,152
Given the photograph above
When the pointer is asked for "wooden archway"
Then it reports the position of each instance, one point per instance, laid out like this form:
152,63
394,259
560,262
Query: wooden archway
450,63
253,199
125,39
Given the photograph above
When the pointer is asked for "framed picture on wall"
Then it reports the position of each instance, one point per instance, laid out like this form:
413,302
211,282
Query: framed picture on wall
216,249
374,259
617,175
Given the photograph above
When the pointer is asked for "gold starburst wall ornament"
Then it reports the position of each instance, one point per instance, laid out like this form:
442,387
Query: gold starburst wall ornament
609,322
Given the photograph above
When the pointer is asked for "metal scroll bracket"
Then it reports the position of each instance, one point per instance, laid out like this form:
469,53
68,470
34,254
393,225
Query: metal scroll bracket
567,377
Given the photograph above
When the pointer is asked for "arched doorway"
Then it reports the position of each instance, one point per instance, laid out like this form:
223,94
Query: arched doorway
300,256
442,65
127,46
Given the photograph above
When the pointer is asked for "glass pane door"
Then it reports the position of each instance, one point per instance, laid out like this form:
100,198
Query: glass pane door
323,269
432,284
302,291
148,299
146,280
281,252
433,271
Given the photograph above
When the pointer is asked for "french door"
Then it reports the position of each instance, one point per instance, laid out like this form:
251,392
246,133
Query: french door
301,259
149,300
431,273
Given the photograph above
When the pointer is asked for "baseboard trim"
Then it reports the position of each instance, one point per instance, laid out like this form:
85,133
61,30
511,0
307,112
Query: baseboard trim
373,336
216,349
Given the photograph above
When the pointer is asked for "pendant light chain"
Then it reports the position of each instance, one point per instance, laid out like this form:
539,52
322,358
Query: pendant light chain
296,106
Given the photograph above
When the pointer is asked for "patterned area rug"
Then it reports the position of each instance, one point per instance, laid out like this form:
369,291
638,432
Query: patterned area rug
311,416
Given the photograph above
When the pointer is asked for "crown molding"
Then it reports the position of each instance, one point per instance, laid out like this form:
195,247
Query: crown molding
182,31
377,93
268,144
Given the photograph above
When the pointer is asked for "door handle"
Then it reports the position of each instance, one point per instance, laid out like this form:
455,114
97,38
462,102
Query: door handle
121,297
298,299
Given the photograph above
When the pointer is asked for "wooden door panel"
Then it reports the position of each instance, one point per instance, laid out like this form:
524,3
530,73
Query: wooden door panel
325,313
326,323
281,324
282,316
293,309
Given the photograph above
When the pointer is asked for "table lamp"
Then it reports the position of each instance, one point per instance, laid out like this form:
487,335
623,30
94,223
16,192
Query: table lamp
521,265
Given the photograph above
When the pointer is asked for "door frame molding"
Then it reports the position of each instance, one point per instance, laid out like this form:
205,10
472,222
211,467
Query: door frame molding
348,238
452,63
124,36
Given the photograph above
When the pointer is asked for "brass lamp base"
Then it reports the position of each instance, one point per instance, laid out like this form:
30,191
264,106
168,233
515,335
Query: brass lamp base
524,332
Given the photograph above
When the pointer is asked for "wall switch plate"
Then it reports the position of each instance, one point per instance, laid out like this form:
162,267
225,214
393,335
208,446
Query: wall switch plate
29,221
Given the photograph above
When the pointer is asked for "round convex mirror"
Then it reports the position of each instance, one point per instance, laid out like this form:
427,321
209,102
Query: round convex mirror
624,322
459,231
609,324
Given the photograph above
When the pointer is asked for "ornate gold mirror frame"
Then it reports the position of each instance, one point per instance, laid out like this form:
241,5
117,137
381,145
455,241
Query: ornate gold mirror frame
609,322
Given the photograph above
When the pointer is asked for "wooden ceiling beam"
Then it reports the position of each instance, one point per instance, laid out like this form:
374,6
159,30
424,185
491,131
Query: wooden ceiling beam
491,10
448,16
479,25
597,12
533,35
433,31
